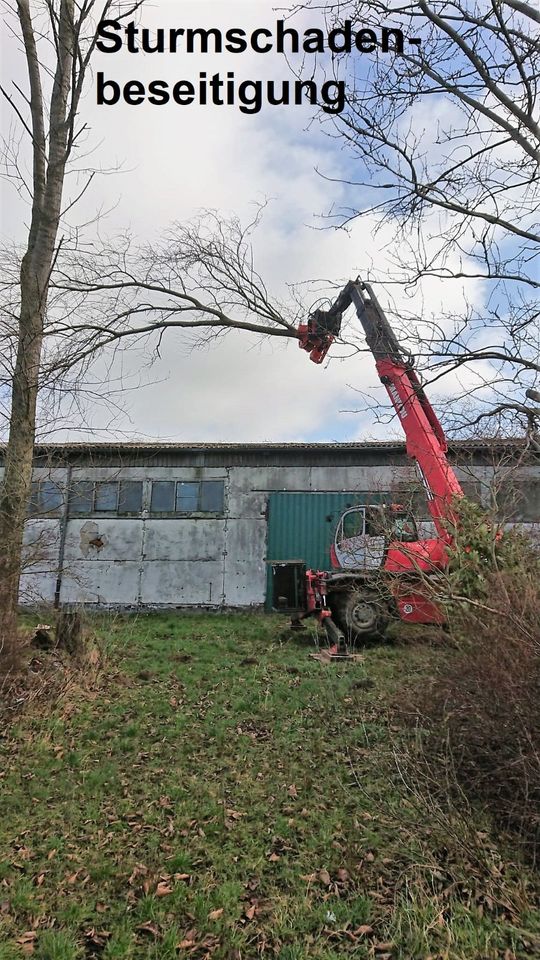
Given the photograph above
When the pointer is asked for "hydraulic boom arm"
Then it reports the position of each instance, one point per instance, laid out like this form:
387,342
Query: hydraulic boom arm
426,443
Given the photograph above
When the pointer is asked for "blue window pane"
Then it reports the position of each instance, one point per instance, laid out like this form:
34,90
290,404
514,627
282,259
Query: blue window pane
212,496
50,497
162,500
106,497
130,499
81,497
187,497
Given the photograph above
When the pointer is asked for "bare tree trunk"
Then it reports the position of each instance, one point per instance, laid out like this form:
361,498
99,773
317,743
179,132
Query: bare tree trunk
48,182
19,453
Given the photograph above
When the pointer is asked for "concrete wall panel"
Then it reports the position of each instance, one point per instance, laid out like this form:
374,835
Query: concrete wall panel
246,541
245,584
183,583
104,540
174,539
118,472
58,474
37,586
108,582
249,487
41,541
363,479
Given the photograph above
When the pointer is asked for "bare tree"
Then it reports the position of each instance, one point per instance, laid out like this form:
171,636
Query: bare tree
44,343
443,142
71,302
58,38
200,278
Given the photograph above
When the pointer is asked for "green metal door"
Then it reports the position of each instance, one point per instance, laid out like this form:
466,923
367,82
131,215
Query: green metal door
301,527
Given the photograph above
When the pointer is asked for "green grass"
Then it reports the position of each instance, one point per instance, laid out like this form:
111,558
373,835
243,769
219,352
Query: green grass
220,794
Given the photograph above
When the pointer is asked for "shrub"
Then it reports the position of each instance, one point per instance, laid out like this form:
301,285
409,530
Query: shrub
482,547
483,706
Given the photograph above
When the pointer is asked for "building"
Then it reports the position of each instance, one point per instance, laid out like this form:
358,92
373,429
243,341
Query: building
213,525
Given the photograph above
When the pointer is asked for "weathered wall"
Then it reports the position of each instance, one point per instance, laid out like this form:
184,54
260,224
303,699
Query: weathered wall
210,561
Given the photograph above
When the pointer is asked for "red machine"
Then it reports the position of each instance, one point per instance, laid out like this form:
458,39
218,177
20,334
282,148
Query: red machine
383,565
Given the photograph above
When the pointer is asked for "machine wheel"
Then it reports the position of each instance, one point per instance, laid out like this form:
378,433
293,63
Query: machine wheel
361,614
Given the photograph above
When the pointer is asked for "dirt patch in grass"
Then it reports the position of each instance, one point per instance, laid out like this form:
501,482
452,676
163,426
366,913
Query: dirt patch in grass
243,801
44,676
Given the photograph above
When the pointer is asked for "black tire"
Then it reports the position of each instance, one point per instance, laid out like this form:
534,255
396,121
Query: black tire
361,614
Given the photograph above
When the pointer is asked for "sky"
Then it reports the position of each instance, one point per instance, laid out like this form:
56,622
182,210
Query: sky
164,164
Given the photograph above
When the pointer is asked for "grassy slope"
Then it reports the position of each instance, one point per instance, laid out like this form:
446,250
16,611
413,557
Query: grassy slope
222,795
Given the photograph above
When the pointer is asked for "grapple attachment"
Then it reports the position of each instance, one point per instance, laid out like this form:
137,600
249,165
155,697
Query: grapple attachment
318,334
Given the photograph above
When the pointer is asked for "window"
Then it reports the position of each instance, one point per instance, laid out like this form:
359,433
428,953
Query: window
81,497
162,496
106,497
376,521
353,524
130,496
212,496
416,502
118,498
412,497
46,498
187,496
405,529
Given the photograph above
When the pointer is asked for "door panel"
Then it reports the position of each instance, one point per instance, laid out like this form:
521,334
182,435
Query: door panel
354,549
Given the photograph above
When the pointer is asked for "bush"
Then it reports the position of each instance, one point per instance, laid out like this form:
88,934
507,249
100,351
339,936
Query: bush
483,706
482,547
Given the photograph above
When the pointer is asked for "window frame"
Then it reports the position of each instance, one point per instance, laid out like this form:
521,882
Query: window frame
172,485
198,510
122,486
35,509
92,510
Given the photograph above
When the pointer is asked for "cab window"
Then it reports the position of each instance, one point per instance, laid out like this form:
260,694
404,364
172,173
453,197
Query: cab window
405,530
353,524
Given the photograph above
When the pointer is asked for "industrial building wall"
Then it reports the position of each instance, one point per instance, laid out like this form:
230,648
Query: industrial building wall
190,554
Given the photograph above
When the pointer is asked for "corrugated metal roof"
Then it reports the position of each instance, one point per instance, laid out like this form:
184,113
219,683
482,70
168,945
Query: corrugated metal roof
169,445
157,445
221,454
169,454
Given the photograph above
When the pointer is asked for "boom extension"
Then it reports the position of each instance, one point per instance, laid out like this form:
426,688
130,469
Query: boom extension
425,439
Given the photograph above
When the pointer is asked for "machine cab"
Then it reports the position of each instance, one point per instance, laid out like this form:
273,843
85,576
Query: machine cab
363,533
